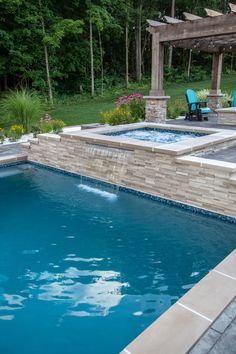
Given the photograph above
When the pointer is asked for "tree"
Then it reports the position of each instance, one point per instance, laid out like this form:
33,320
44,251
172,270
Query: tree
59,29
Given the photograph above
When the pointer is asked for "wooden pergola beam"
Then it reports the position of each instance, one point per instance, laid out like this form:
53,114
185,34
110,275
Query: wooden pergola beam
209,44
212,13
207,27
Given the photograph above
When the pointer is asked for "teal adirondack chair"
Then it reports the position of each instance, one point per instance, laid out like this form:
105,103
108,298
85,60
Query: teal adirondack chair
233,101
197,110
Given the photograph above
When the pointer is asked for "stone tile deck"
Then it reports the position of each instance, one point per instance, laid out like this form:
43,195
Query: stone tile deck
227,155
211,123
12,149
12,153
220,338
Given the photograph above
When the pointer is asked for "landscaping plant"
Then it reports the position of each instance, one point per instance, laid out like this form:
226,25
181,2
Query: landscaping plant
134,103
202,96
176,108
2,135
57,126
129,109
116,116
16,131
23,107
48,125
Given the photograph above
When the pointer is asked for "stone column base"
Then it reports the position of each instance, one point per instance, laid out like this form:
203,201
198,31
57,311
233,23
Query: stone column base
214,101
156,109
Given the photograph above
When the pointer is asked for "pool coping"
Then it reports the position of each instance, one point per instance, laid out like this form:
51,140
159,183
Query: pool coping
11,158
95,136
185,322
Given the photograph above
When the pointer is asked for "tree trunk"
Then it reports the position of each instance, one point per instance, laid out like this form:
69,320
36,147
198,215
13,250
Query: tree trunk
138,39
146,37
189,63
127,55
101,60
91,56
50,95
232,62
5,82
170,47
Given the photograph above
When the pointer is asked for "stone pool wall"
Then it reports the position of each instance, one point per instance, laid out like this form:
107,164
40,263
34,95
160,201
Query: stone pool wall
189,179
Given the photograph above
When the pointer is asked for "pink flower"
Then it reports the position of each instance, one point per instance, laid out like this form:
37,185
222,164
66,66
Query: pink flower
124,100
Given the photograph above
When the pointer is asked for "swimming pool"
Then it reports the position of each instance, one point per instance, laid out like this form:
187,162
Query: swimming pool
85,268
162,136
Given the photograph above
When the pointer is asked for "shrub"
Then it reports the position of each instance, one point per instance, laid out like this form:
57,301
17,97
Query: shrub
16,132
179,76
202,96
225,101
134,103
57,126
2,135
125,100
46,127
129,109
49,125
35,129
119,115
137,109
23,107
176,108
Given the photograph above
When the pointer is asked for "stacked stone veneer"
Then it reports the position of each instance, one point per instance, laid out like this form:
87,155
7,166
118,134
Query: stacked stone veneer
156,109
214,101
227,116
185,178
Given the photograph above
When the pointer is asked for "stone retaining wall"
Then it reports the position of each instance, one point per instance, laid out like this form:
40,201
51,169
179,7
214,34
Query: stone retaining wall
189,179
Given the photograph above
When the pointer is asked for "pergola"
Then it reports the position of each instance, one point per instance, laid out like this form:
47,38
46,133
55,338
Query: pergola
214,34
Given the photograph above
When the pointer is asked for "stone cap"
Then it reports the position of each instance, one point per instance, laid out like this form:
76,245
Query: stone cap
215,95
227,110
156,98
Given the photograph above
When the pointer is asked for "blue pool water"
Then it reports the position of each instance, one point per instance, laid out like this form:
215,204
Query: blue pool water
83,270
162,136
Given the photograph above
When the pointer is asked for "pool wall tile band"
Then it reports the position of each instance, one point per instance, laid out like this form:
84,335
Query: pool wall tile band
202,184
174,203
180,327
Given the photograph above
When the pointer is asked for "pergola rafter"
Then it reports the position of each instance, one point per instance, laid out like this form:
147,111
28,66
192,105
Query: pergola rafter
196,29
214,34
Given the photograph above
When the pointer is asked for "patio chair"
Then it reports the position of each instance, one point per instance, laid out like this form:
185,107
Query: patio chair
197,110
232,103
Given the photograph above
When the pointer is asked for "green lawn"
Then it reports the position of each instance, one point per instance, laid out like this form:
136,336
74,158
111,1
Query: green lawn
87,110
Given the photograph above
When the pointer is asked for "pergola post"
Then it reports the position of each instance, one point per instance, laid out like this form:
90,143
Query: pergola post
215,96
156,107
